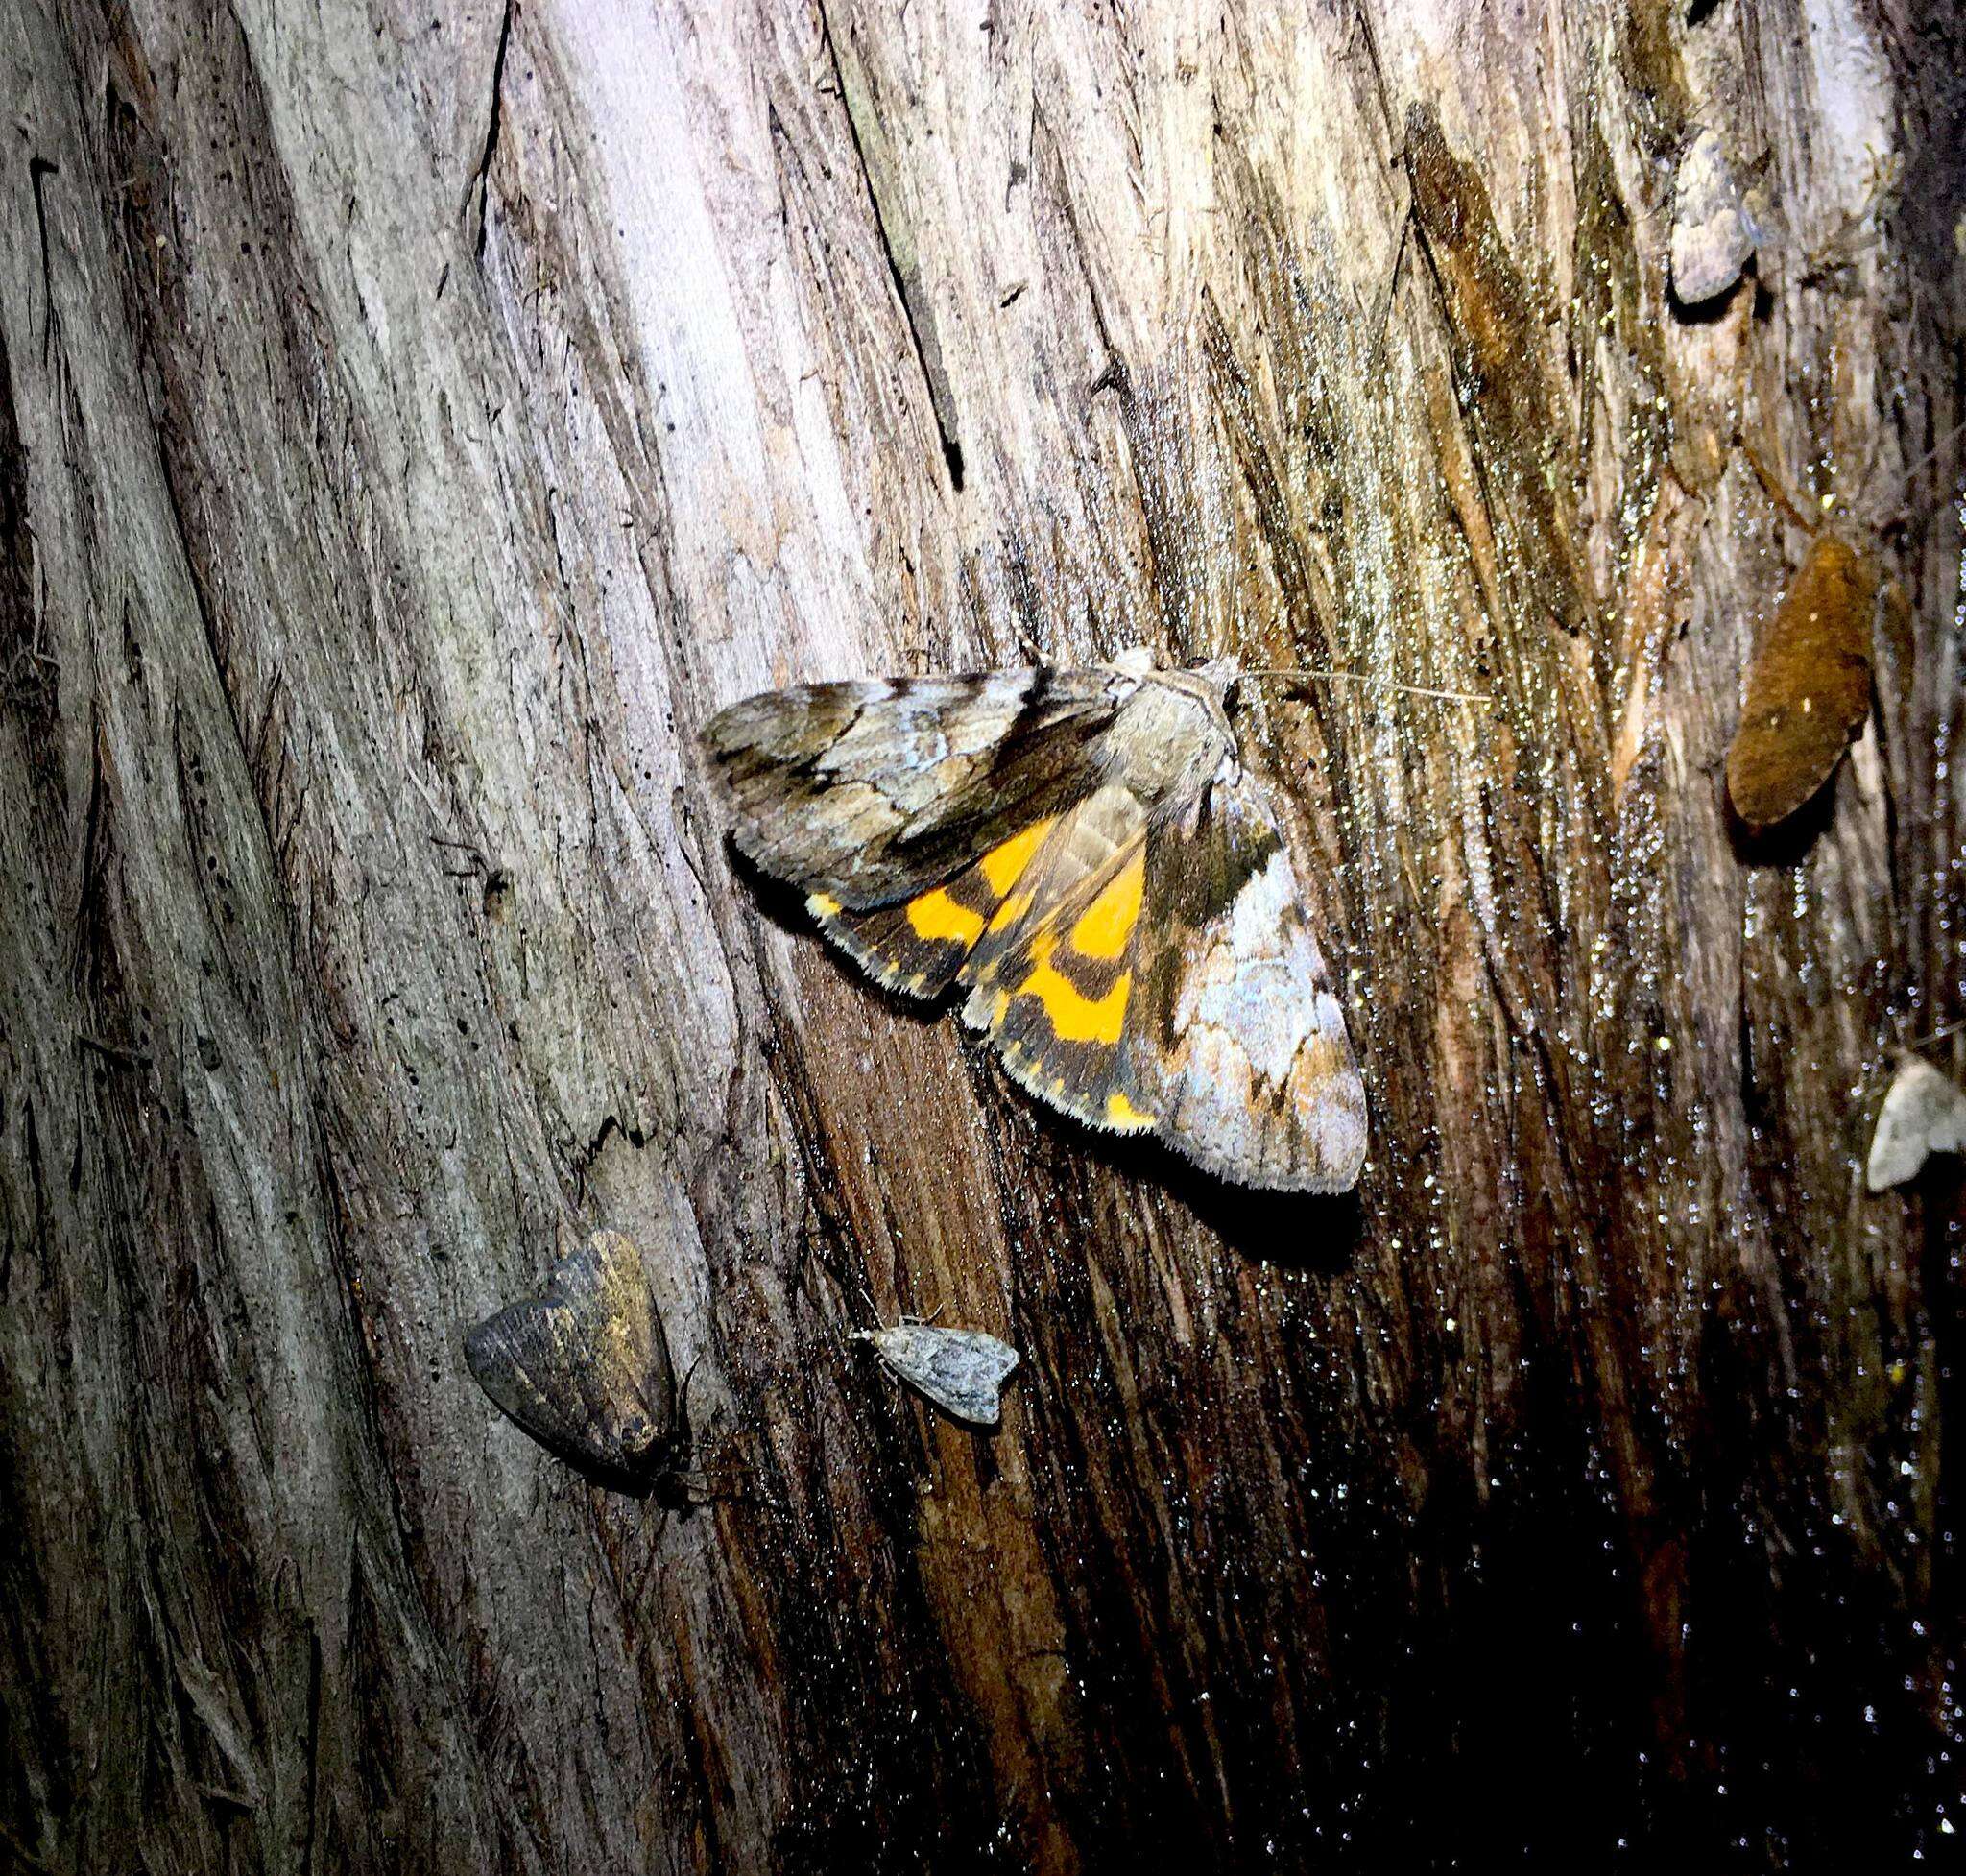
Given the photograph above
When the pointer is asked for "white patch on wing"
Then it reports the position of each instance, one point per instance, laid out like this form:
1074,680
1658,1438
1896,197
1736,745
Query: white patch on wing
1257,1023
1256,989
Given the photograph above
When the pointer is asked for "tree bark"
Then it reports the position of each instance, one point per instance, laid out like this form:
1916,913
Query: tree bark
415,423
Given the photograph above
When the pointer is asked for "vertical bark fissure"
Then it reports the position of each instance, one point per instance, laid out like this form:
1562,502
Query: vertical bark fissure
1607,1413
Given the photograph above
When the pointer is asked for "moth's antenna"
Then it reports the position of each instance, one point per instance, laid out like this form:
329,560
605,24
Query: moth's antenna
1382,684
1913,468
1937,1035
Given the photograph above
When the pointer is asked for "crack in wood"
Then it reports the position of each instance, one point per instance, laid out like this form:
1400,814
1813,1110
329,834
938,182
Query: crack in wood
475,192
898,237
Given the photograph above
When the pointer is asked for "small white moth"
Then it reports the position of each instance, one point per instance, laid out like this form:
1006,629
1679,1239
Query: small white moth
961,1370
1923,1114
1713,233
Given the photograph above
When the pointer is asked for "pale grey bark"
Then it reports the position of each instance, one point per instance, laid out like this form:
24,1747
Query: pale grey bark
415,423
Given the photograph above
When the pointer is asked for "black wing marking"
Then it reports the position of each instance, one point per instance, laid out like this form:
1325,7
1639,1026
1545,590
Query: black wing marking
1163,978
918,947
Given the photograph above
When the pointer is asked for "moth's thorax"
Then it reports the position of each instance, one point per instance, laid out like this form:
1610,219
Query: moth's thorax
1172,733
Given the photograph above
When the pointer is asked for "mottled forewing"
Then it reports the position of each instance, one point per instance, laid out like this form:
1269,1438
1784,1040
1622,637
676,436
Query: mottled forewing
585,1368
1237,1053
870,793
961,1370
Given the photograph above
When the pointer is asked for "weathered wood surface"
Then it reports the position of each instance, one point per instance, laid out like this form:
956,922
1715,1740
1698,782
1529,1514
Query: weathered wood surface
414,423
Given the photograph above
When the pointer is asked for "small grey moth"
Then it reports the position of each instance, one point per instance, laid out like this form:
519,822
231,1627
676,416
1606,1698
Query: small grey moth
1924,1113
961,1370
585,1368
1712,234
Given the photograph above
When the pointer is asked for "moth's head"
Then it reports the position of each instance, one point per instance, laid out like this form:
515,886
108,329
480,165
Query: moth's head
1134,662
1225,673
1221,675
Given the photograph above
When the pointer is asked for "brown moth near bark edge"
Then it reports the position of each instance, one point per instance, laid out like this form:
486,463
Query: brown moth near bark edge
1807,689
585,1367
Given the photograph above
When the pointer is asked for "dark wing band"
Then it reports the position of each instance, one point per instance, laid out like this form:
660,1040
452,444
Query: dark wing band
872,793
1051,981
1165,981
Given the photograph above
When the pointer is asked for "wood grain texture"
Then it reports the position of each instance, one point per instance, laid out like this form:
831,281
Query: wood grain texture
415,424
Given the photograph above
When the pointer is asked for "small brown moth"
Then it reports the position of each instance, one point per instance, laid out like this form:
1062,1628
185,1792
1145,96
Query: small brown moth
1807,689
585,1368
1085,855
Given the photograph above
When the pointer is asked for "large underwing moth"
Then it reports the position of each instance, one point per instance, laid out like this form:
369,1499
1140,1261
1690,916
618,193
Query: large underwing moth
1083,854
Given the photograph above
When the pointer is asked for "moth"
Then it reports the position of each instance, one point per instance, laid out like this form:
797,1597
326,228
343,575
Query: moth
961,1370
585,1368
1807,689
1924,1113
1712,233
1083,854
